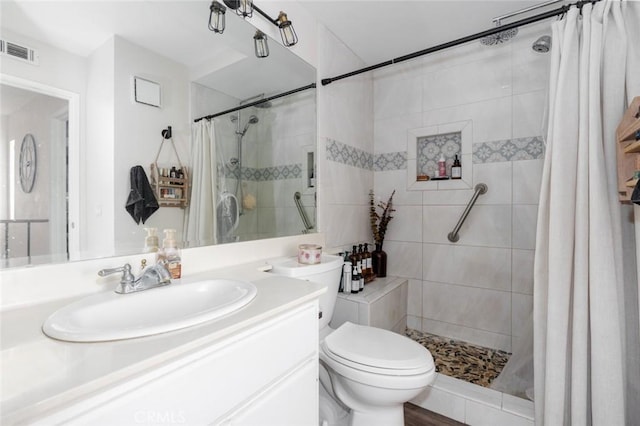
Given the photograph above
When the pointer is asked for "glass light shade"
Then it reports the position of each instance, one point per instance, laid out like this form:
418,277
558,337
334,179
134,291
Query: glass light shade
260,43
288,34
245,8
216,17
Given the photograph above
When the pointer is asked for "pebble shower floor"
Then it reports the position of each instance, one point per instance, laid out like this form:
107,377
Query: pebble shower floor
462,360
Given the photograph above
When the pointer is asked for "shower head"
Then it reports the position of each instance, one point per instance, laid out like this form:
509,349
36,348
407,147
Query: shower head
499,38
542,45
263,105
233,118
253,119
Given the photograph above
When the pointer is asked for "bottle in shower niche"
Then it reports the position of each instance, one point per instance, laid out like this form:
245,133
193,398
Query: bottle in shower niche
456,169
442,167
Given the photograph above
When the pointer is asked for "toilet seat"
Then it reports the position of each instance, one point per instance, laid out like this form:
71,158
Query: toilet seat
377,351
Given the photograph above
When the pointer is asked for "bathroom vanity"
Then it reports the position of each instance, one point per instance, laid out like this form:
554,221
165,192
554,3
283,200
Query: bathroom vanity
239,369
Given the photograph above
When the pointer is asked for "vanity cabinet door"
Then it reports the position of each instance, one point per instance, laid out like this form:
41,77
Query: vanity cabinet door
287,403
212,384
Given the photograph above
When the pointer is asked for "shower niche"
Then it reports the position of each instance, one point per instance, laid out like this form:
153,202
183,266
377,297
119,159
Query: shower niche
427,145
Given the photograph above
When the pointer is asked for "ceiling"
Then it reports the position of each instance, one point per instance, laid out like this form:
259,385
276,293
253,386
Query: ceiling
377,31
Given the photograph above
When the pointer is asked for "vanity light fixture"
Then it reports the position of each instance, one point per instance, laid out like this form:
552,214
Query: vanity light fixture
288,34
260,43
243,8
216,17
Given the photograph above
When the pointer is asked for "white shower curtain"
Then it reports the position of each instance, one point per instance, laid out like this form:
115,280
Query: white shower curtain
579,318
200,220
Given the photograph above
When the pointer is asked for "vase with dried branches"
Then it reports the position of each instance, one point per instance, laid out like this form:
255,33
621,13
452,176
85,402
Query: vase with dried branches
379,223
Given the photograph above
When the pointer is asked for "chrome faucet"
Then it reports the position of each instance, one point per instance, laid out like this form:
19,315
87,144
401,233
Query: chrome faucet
152,276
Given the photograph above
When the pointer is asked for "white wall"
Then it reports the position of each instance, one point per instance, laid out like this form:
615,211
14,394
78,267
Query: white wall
345,119
137,135
480,288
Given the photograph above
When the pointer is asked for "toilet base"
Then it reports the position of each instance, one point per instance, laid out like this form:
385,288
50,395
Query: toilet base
389,416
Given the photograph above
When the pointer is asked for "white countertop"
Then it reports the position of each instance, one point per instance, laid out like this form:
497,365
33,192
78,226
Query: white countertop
40,374
374,290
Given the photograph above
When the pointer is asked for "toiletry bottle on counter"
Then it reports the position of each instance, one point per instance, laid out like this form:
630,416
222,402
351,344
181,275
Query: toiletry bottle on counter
151,241
367,266
171,253
355,279
456,169
360,279
442,166
346,274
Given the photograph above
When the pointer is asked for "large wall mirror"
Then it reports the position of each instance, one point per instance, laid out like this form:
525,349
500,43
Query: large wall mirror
70,82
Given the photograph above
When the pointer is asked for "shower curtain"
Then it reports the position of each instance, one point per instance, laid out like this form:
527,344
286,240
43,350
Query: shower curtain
580,348
200,220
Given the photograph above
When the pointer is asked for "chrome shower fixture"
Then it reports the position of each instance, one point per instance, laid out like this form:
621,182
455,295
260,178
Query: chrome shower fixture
499,38
542,45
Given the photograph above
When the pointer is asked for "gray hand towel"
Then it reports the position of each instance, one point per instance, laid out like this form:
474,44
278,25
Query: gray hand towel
142,201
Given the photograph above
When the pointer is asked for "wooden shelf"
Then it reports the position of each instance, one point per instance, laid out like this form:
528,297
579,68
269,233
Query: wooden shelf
628,150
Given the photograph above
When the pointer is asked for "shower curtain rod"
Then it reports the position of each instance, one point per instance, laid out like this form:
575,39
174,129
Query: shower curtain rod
559,11
260,101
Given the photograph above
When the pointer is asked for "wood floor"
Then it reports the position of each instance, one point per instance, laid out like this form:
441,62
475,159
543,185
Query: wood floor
418,416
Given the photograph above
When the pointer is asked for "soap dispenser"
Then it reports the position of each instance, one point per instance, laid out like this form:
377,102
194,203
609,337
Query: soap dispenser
151,241
171,253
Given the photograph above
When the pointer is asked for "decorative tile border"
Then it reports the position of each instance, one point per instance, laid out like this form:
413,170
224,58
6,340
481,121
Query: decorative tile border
390,161
288,171
349,155
531,148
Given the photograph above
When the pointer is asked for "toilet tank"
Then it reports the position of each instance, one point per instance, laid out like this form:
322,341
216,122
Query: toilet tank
327,272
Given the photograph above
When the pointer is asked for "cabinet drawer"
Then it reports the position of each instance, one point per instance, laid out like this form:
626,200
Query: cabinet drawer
203,386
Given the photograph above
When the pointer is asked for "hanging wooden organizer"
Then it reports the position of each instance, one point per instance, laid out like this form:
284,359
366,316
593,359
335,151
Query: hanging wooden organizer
628,137
170,191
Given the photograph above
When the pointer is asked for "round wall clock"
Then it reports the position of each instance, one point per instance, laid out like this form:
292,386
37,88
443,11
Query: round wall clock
28,163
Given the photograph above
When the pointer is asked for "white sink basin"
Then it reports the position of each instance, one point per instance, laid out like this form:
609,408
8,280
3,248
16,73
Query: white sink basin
111,316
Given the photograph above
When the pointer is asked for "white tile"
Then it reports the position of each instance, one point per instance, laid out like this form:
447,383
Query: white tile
524,226
387,311
527,176
487,226
477,414
528,114
518,406
404,259
467,83
491,118
344,224
346,184
414,322
390,134
388,181
397,96
406,224
453,197
530,69
482,309
441,402
345,310
521,307
414,298
497,177
522,271
469,266
467,334
469,391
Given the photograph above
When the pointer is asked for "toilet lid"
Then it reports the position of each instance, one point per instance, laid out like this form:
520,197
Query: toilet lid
378,348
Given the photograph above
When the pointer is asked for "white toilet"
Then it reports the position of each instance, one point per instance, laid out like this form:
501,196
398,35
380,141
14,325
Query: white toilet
369,371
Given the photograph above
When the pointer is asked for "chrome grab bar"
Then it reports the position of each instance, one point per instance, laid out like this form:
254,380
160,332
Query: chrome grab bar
480,188
302,212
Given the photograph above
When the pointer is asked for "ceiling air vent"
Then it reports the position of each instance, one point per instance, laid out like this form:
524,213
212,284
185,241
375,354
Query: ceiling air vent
19,52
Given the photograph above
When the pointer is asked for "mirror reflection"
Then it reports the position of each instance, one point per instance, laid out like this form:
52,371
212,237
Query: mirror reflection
72,86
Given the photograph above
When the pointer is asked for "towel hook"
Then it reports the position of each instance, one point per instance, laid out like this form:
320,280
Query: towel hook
166,133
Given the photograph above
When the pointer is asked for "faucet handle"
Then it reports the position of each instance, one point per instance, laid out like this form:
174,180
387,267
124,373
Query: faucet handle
127,276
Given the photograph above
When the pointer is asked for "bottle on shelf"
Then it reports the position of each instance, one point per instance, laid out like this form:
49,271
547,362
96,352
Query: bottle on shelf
368,265
456,169
346,274
355,279
360,279
442,167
